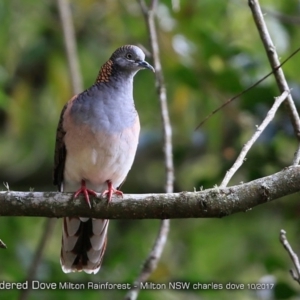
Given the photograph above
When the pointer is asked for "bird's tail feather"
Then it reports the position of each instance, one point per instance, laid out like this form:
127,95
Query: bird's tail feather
83,244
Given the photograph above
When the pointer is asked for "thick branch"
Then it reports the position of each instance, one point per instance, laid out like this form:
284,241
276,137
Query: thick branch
211,203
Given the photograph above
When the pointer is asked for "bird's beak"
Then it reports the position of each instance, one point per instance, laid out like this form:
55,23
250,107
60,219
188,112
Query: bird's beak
145,65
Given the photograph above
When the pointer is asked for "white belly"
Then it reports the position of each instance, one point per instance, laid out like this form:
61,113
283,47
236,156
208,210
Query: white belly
99,157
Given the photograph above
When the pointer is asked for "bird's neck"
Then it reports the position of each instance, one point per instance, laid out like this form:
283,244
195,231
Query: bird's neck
109,72
115,79
105,72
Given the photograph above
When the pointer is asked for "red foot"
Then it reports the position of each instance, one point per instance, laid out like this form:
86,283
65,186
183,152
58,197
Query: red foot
83,190
110,191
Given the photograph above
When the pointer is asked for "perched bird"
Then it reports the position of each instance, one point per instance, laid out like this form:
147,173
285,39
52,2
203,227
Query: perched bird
96,142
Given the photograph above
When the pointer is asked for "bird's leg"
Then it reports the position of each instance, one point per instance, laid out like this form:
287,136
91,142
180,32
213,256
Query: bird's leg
110,191
83,190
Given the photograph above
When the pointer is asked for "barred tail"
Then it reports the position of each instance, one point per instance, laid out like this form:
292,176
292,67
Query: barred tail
83,244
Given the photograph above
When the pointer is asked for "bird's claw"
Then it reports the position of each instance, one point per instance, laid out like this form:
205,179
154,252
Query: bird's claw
86,192
110,191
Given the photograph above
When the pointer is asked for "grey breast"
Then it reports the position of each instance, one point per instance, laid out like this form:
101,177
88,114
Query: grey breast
105,108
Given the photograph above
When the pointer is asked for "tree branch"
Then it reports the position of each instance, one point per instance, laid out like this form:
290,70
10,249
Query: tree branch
76,81
149,15
283,86
48,228
70,45
292,254
2,245
211,203
150,263
239,161
296,159
285,18
274,62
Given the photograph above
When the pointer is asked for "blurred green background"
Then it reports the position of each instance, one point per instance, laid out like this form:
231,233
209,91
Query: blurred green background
210,51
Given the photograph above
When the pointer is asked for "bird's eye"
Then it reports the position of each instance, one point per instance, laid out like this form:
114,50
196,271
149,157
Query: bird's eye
129,56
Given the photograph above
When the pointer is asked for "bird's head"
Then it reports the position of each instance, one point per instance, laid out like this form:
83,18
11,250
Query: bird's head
130,58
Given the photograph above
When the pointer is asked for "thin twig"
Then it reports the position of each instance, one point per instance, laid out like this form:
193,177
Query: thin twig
2,245
151,262
292,254
247,89
285,18
49,225
274,62
296,159
269,117
161,90
70,45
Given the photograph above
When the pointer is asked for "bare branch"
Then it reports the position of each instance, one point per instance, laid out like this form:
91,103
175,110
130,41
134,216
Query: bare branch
292,254
70,44
239,161
151,262
159,81
285,18
49,225
2,245
76,81
296,159
144,8
274,62
211,203
247,89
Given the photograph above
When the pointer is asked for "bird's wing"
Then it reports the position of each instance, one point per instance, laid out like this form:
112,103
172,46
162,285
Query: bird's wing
60,150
